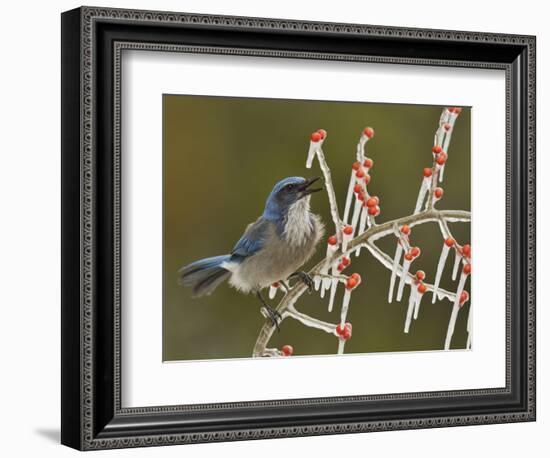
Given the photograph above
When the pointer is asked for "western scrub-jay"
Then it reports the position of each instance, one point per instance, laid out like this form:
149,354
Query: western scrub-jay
272,248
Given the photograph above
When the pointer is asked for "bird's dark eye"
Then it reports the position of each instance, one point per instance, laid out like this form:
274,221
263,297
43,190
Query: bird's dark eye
290,187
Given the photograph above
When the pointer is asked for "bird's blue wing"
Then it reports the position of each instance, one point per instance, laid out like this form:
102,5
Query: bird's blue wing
252,240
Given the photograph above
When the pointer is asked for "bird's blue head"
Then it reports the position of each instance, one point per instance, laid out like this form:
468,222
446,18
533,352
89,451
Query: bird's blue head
286,193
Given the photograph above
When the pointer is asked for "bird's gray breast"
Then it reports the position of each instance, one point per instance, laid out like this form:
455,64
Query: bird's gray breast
281,255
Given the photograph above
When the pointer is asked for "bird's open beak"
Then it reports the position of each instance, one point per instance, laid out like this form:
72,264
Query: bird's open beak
305,189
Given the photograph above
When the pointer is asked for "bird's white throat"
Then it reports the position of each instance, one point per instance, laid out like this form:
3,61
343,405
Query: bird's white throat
298,224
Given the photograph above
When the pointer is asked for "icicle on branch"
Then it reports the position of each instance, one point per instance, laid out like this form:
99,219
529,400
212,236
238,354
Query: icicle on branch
459,301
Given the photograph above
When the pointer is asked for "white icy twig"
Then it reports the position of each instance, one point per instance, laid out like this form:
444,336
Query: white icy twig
451,119
424,186
346,239
349,196
273,352
343,317
454,313
406,265
417,302
410,308
469,329
330,192
273,291
314,146
341,345
355,218
310,321
333,287
345,306
386,261
396,262
362,225
331,249
439,272
458,257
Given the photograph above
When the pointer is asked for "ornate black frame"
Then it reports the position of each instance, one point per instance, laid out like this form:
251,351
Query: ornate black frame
92,42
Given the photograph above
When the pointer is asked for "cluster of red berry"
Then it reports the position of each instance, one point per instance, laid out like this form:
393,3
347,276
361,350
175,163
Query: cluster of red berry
353,281
414,251
344,331
371,202
421,287
344,262
318,135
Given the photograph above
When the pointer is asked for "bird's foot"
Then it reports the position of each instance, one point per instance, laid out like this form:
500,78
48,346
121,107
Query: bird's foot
273,315
306,278
270,312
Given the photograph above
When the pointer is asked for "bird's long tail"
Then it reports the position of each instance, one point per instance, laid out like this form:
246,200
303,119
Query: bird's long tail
204,275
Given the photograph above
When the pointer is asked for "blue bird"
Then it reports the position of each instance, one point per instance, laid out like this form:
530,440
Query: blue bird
272,249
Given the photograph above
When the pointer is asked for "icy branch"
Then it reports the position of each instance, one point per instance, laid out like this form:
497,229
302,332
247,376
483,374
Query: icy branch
330,190
364,232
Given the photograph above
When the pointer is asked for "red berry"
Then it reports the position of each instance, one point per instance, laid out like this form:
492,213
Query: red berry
346,261
415,251
449,241
356,277
361,196
356,166
374,211
287,350
420,274
322,133
360,173
441,159
275,285
344,330
405,229
315,137
438,193
464,296
341,267
332,240
427,172
348,230
467,250
447,126
422,288
347,334
467,269
357,188
369,132
409,257
437,149
351,283
371,202
368,163
367,178
456,110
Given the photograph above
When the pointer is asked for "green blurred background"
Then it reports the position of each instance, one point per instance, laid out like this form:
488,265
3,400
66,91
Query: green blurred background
222,156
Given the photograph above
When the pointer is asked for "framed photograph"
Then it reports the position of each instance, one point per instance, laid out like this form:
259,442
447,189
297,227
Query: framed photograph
276,228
